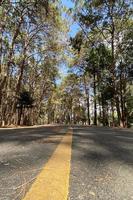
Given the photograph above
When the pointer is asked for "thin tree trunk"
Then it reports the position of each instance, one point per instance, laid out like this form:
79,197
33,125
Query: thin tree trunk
103,111
95,102
87,100
20,111
118,110
112,111
122,97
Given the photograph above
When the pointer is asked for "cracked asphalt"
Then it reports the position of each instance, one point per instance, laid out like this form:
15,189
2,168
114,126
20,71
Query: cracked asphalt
101,165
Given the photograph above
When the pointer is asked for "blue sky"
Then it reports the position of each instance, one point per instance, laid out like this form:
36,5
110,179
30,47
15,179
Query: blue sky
68,3
73,30
74,27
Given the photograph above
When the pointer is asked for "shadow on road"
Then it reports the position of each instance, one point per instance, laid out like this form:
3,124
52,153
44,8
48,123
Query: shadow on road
28,135
104,144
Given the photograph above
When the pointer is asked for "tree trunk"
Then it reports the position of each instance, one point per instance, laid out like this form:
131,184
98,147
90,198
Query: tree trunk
18,86
20,112
112,111
95,102
122,97
87,100
103,112
118,110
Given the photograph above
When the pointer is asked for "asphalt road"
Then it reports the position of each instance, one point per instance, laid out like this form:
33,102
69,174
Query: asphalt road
101,165
23,153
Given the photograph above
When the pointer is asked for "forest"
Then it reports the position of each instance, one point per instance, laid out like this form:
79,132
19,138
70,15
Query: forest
35,44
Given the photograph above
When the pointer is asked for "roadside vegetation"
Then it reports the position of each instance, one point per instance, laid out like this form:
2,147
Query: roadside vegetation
35,43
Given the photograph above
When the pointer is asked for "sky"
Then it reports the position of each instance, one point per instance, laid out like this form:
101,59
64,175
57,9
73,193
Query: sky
73,30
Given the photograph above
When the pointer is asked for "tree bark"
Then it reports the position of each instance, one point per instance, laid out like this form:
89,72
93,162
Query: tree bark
95,101
112,111
87,100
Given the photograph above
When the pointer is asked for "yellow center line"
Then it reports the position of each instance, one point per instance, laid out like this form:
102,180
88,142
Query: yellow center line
53,181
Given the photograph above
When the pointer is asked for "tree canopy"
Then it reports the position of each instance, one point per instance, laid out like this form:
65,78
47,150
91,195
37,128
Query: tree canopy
35,42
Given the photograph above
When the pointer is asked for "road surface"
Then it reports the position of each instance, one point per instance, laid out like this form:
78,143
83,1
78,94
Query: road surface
100,161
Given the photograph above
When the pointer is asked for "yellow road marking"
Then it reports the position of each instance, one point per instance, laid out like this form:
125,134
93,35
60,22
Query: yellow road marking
53,181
